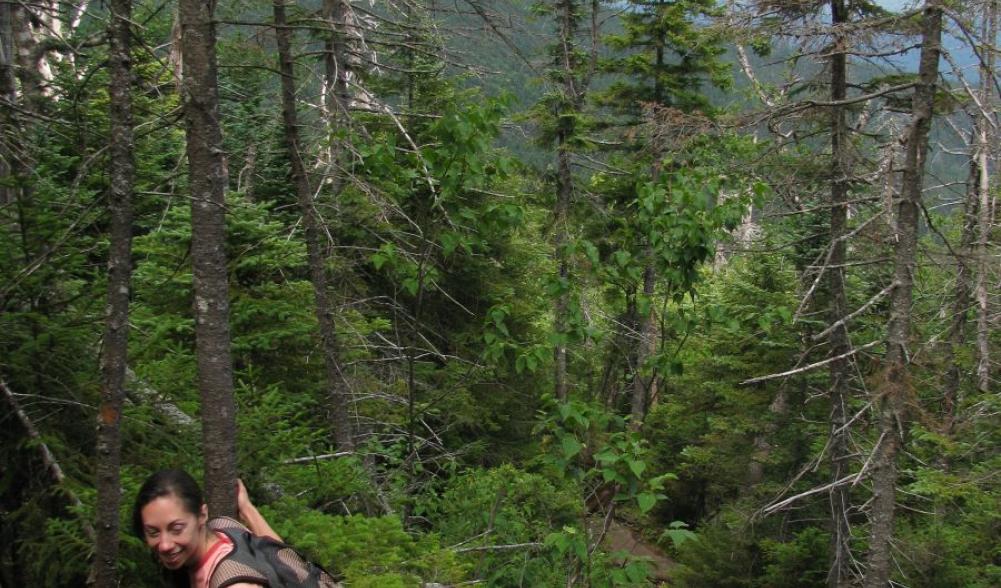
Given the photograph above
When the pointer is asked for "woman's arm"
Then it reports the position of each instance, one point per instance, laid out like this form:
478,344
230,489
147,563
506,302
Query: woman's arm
250,517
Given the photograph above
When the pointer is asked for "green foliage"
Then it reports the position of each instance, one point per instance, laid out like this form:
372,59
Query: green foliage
797,563
443,283
720,557
664,55
706,426
594,449
367,551
504,506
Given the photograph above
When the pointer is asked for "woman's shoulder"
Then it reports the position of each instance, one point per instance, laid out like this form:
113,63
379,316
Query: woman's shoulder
226,524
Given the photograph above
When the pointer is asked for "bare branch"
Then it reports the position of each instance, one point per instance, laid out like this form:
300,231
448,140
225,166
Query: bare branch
812,366
860,310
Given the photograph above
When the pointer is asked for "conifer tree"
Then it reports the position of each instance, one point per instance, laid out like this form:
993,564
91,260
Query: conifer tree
665,55
115,350
895,391
664,59
571,71
338,392
207,178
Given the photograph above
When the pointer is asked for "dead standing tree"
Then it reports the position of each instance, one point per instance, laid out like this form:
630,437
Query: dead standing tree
840,572
985,123
338,390
573,76
973,252
837,46
894,395
831,43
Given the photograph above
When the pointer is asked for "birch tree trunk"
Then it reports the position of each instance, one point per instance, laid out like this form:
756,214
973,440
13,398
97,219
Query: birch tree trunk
115,351
894,390
338,391
207,178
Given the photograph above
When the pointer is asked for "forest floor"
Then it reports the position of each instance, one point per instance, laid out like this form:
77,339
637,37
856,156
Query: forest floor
621,537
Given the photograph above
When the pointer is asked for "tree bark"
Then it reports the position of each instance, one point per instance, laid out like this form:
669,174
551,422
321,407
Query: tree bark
8,94
985,216
566,126
207,178
643,383
564,189
115,351
840,369
7,52
27,57
894,391
338,390
956,334
336,67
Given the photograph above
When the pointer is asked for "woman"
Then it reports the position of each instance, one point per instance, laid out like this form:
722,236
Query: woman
171,517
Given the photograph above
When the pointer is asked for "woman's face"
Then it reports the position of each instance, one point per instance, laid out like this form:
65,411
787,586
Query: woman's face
174,533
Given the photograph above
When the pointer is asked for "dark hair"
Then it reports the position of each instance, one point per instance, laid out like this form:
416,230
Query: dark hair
167,483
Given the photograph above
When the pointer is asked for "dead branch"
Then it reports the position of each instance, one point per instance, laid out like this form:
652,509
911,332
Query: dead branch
322,457
533,545
52,467
860,310
812,366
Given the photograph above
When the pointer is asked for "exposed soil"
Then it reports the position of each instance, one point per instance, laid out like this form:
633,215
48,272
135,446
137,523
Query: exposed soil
623,538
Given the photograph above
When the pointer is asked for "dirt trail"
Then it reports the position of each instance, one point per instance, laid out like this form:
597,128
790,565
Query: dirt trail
623,538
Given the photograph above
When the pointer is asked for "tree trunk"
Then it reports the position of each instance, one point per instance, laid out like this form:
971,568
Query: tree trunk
26,56
985,216
174,57
336,68
115,352
7,52
564,188
566,62
956,334
207,178
8,94
894,390
840,370
338,390
643,383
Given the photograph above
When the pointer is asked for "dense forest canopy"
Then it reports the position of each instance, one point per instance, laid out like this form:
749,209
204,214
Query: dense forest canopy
508,292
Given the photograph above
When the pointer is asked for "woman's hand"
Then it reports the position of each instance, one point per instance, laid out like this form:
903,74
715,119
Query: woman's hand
249,515
242,498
